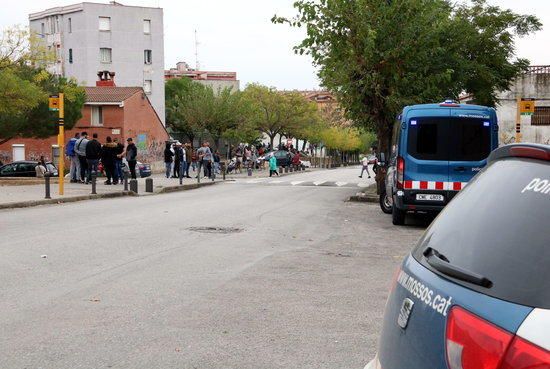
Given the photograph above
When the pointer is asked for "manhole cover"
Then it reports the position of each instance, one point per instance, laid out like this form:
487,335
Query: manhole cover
223,230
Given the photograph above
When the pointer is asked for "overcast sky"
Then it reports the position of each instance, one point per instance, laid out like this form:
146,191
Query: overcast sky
238,36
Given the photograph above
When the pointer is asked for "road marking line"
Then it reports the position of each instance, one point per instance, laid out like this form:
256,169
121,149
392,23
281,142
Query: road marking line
363,185
296,183
277,181
318,183
340,184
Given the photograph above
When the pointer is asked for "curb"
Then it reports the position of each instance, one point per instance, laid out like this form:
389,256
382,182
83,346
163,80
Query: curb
28,204
187,187
363,198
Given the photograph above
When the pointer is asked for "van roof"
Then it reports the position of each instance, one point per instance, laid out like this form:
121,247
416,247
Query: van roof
456,106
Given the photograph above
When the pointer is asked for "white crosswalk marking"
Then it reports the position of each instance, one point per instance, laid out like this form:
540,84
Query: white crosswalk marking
259,180
340,184
363,185
318,183
296,183
276,181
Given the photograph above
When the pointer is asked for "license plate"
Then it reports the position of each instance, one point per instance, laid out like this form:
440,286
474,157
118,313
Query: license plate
429,197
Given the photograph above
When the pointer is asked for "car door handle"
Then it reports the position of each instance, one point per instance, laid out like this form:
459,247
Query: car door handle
460,169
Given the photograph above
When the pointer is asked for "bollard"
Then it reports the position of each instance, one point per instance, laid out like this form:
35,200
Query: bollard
149,185
134,185
286,169
281,169
125,181
291,169
94,183
249,171
47,182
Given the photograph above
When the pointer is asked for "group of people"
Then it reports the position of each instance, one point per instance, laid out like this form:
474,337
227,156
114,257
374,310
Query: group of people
85,155
179,158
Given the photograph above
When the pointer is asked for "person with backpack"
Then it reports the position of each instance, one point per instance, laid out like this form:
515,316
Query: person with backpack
73,158
93,154
80,150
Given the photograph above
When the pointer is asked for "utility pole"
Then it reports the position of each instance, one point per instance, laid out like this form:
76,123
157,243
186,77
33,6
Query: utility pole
518,120
197,64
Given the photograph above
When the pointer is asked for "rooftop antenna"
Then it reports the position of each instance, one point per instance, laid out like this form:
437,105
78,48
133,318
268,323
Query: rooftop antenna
197,64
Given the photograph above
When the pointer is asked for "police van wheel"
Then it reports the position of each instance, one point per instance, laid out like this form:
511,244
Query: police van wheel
398,216
385,202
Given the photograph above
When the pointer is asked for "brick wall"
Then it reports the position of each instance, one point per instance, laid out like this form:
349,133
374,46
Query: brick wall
137,119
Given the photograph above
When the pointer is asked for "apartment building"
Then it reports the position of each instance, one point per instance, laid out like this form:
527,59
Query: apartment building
217,80
91,37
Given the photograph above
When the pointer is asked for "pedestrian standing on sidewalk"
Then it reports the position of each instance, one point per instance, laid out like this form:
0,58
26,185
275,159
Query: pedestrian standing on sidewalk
177,162
93,154
108,157
118,161
168,159
180,159
273,165
73,157
365,164
131,156
205,159
80,150
217,160
188,158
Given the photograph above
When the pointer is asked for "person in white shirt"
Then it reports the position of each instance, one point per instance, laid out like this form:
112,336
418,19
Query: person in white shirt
365,163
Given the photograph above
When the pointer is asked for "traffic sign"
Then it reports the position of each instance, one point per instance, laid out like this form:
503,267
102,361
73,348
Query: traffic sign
54,103
527,107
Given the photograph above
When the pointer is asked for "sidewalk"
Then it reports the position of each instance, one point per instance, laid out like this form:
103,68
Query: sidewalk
17,196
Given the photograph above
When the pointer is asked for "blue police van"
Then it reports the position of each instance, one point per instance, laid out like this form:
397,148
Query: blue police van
435,150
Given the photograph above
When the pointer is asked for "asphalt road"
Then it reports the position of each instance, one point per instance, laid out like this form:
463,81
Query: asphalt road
300,282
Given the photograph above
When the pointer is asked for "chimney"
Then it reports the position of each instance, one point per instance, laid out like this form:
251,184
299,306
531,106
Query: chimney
106,79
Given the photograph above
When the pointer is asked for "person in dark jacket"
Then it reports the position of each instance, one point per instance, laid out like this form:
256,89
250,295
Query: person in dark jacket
93,154
179,155
118,160
188,158
168,159
176,160
108,157
131,156
73,157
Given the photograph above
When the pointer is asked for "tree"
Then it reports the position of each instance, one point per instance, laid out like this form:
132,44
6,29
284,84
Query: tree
378,56
25,87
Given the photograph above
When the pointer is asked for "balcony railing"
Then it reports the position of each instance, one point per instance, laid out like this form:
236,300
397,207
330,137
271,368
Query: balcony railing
538,69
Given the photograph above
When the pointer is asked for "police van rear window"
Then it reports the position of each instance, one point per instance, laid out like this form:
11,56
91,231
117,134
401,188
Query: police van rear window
498,227
449,138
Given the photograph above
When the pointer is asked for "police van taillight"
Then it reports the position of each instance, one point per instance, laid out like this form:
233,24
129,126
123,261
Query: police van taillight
400,172
474,343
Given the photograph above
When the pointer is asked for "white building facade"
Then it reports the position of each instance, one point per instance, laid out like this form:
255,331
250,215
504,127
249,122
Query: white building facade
91,37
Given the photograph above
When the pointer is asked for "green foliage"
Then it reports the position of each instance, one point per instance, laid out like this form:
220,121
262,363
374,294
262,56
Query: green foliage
195,109
25,88
378,56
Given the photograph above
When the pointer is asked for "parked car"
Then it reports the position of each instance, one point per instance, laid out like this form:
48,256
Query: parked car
283,157
436,149
143,170
24,168
475,292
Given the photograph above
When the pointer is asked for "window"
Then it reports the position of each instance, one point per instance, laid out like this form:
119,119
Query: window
455,139
147,26
104,24
70,56
42,29
105,55
511,251
97,115
148,56
70,25
541,116
148,86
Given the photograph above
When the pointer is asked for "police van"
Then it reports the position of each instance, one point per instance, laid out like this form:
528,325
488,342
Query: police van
436,149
